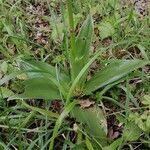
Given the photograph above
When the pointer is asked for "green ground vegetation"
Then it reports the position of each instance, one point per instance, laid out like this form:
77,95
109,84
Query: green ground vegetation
74,75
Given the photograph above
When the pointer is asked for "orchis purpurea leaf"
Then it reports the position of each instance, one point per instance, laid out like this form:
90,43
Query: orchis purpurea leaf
94,120
39,88
113,72
82,44
37,69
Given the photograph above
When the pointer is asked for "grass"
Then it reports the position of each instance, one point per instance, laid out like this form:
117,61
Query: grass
40,30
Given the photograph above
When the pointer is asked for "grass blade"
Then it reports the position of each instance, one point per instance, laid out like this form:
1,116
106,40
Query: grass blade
41,111
66,111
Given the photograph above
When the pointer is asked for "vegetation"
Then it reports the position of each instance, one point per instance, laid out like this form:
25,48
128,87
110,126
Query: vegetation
74,75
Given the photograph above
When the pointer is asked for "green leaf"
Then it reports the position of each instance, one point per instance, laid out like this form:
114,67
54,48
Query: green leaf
41,69
32,65
57,32
77,79
4,67
66,111
120,117
148,123
5,92
131,132
146,100
41,111
89,144
94,120
106,30
26,120
3,145
39,88
6,78
113,72
143,51
114,145
83,42
78,147
36,69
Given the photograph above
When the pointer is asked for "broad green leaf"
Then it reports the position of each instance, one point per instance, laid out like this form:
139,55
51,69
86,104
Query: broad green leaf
114,145
94,121
106,30
146,100
32,65
77,79
40,69
112,73
83,42
131,131
57,32
5,92
39,88
4,67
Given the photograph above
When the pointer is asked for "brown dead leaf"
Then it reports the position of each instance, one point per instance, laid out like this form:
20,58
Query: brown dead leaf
75,127
86,103
113,134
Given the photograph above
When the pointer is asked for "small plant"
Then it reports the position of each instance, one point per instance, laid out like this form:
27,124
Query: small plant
136,126
48,82
142,120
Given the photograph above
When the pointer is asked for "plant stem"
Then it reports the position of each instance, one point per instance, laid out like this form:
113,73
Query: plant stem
72,36
70,13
